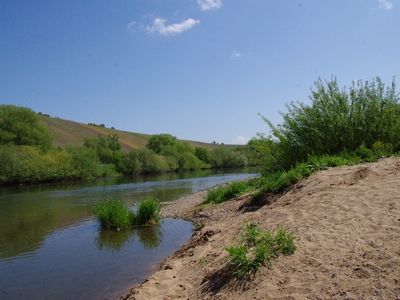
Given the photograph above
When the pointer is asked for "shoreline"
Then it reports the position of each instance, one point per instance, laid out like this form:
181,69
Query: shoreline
182,207
347,231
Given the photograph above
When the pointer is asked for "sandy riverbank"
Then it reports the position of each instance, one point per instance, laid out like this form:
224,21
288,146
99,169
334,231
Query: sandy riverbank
347,226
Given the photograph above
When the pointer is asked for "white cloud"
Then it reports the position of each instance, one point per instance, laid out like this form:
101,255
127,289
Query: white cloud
241,140
385,4
160,26
209,4
131,26
236,54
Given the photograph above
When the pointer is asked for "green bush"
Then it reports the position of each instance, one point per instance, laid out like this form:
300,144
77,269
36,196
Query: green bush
338,120
27,164
183,156
151,162
203,154
257,248
226,158
131,164
86,163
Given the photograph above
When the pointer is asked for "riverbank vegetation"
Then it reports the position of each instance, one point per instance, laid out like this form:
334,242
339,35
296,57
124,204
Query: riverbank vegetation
257,248
27,154
340,127
115,215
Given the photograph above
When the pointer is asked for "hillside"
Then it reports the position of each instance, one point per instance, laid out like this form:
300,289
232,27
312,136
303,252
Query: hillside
70,133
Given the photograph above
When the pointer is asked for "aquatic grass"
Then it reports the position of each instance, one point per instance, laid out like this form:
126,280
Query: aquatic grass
148,212
113,214
257,248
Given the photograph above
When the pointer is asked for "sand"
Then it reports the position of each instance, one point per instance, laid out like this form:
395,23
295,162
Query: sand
347,226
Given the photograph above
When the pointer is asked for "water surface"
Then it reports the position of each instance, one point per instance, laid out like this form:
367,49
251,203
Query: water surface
52,248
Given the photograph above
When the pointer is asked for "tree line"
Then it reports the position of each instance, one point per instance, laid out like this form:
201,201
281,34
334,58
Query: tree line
27,154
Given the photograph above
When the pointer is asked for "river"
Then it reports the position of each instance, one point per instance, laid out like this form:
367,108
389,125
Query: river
51,247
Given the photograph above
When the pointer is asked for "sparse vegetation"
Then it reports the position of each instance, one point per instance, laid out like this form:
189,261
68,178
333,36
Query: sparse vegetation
278,181
257,248
229,191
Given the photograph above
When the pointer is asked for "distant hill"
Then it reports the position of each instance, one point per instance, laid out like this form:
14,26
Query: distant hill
70,133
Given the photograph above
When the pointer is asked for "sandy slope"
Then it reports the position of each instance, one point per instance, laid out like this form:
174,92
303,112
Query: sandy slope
347,226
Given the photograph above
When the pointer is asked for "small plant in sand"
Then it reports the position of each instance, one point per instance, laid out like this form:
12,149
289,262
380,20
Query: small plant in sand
257,248
115,215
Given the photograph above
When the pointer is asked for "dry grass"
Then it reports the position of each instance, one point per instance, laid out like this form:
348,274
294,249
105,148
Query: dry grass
69,133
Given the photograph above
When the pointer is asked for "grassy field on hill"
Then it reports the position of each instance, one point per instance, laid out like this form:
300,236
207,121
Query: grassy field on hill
70,133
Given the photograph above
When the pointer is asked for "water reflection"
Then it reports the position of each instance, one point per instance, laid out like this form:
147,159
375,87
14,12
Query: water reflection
114,240
29,214
51,247
27,218
149,237
79,262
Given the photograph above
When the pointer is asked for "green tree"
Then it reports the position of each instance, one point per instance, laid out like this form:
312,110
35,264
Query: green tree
151,162
21,126
159,141
203,154
108,149
131,164
86,163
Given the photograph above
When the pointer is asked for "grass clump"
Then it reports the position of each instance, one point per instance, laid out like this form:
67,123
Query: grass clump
226,192
115,215
257,248
148,212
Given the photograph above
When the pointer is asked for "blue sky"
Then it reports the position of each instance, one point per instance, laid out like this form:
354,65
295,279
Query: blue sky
199,69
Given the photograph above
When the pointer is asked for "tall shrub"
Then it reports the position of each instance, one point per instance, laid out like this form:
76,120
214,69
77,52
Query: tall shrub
338,119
